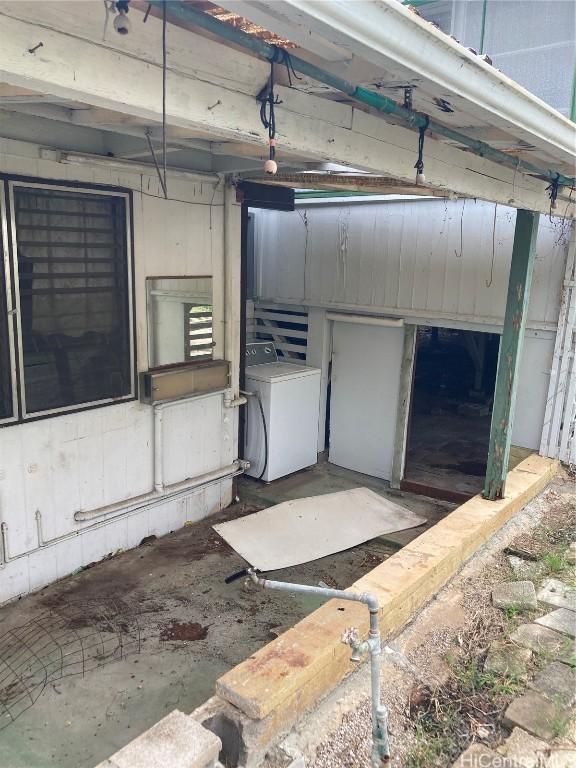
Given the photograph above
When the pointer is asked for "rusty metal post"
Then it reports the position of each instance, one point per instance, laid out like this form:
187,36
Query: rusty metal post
511,344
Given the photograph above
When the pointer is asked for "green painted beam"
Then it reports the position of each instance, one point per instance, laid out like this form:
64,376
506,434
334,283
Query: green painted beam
417,3
483,27
511,343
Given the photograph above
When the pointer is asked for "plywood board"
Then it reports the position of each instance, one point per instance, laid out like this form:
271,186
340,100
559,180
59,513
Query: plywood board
302,530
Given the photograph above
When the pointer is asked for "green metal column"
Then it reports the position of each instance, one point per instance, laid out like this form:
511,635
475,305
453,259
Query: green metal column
511,345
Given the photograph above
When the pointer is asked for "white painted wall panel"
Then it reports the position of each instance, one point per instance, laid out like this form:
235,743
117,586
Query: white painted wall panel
195,438
444,258
103,456
533,389
285,256
42,566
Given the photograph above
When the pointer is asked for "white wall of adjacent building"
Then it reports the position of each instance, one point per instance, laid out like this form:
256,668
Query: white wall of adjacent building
91,459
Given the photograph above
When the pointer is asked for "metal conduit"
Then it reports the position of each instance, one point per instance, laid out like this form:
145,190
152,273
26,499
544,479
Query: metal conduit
378,102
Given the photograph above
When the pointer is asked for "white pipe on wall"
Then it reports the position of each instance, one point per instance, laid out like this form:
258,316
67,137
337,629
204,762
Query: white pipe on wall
85,158
167,493
158,447
171,493
232,309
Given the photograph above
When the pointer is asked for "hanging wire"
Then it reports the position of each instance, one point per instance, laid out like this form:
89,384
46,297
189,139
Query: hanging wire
267,104
287,61
161,178
419,165
268,101
164,70
281,56
459,255
552,190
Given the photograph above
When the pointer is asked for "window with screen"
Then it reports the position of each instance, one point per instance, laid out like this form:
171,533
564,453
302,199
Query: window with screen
72,280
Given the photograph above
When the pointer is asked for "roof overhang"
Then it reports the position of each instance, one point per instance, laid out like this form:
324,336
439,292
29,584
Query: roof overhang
387,40
112,88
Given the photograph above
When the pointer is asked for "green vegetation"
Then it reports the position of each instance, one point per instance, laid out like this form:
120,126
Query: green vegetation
474,680
442,716
554,562
429,748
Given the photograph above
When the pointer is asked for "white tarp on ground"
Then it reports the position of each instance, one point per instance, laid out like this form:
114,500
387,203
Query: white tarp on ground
301,530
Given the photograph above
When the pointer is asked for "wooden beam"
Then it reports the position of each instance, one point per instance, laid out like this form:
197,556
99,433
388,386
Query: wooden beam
509,358
377,185
307,125
403,414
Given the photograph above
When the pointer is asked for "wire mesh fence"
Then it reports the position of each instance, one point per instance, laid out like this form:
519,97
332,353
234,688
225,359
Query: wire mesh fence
71,640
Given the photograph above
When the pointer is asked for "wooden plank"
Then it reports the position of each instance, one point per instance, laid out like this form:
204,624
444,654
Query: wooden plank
285,332
567,442
284,347
509,358
406,376
278,306
280,317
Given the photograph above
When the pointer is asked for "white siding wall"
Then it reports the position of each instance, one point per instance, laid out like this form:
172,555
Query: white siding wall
90,459
429,261
429,258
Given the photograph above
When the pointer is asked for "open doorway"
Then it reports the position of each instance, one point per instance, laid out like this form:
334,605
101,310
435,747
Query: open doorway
451,408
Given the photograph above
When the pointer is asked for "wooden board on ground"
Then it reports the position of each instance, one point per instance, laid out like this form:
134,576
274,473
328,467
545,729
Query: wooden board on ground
302,530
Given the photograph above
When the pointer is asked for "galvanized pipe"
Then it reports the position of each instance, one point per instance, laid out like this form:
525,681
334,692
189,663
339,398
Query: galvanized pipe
377,101
372,645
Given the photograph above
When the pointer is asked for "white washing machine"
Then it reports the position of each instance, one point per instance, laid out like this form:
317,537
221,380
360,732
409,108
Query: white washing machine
290,398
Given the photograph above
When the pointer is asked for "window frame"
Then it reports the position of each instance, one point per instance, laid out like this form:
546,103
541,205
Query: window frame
9,183
11,311
150,330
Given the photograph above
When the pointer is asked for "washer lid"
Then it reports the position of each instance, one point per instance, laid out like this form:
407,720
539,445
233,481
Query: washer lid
273,372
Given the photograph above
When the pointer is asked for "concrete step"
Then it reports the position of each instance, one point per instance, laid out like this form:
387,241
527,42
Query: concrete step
176,741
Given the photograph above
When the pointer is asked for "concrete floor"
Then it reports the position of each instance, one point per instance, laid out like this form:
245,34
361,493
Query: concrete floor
448,451
166,627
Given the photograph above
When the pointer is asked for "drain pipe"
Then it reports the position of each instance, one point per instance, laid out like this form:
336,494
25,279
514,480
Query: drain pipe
371,645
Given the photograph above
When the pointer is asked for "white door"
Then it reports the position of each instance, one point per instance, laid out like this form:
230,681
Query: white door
366,361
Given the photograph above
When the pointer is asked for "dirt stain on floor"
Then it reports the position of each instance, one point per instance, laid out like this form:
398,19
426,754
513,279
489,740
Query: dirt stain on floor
190,630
